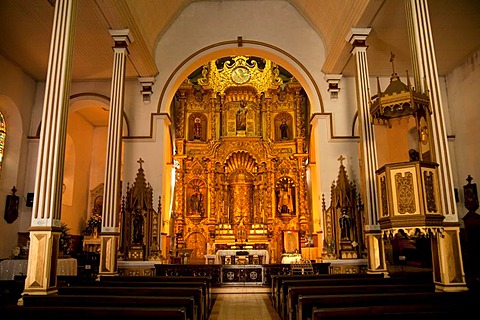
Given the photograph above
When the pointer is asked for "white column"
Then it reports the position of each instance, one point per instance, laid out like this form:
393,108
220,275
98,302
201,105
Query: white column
47,203
368,152
110,233
446,250
426,80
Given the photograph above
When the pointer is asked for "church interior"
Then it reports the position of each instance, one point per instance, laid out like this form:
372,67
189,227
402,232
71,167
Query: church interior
240,140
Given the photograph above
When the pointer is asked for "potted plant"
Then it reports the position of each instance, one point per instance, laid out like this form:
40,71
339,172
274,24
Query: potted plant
65,239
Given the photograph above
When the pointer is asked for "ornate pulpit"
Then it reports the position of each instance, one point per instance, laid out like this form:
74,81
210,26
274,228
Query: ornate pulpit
408,190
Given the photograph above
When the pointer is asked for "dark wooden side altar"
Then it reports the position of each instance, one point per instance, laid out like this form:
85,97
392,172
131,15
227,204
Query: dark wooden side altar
140,237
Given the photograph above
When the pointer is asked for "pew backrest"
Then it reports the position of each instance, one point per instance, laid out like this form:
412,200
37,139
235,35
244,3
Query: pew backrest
196,292
306,303
288,308
93,313
188,303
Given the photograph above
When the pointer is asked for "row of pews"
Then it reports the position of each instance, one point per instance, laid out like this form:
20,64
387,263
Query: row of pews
366,296
120,297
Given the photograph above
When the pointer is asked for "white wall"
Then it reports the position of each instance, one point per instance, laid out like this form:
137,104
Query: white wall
17,92
463,96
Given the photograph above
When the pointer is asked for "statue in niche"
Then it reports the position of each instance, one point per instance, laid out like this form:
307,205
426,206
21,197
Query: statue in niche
241,120
285,201
284,129
197,129
196,202
345,225
138,226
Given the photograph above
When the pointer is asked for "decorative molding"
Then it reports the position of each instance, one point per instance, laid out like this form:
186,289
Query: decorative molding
333,88
147,84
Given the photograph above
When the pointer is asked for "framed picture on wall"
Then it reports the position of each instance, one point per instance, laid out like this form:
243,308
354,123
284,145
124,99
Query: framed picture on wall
11,207
291,241
471,195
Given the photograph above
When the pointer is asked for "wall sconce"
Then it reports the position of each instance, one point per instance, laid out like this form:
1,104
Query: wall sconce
147,84
333,80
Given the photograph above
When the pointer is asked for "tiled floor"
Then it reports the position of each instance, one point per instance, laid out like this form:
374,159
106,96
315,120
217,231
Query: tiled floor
242,303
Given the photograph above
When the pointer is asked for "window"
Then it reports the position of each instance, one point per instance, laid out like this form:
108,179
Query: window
3,136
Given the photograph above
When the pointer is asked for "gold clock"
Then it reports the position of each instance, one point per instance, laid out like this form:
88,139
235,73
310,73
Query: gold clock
240,75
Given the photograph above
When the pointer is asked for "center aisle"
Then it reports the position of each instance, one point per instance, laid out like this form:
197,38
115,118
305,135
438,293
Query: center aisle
242,303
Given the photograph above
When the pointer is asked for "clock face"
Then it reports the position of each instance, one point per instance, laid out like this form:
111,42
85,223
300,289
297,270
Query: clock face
240,75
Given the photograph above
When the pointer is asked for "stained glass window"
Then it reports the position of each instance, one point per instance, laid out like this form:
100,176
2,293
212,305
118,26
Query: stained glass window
3,135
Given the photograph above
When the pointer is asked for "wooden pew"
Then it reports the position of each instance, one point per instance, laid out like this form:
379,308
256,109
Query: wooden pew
277,281
155,279
306,303
153,291
345,281
193,284
10,291
427,311
288,310
92,313
113,301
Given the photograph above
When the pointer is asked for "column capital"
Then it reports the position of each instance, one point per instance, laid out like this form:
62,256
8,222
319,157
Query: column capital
122,37
147,84
333,88
357,36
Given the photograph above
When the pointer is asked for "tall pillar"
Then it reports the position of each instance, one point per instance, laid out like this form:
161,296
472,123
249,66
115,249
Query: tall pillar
446,252
426,79
110,234
45,227
367,153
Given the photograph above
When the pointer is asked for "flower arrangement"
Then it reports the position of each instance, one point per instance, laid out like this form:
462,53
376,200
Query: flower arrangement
94,225
65,239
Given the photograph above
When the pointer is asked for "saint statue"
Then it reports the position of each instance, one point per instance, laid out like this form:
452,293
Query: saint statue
345,225
197,129
285,202
137,226
284,129
242,116
196,202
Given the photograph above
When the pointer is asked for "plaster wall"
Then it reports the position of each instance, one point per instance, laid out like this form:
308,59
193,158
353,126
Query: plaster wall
463,101
17,92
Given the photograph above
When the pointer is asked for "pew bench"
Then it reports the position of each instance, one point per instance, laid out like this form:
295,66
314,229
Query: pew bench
130,283
306,303
288,310
196,292
426,311
286,284
278,279
207,279
113,301
93,313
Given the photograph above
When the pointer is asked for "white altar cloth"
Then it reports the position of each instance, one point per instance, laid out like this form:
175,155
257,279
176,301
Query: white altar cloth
291,257
220,253
10,268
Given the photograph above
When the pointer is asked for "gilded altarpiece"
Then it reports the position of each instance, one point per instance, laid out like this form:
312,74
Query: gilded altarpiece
240,159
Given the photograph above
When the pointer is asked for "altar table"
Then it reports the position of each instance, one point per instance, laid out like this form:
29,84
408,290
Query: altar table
262,254
10,268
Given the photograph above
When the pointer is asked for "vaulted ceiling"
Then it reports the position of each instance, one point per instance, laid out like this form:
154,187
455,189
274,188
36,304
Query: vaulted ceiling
25,31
